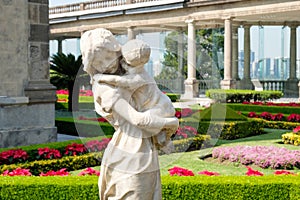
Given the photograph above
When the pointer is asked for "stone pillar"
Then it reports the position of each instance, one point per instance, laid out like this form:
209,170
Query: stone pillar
191,83
246,82
180,55
235,50
27,97
59,45
291,89
227,82
131,33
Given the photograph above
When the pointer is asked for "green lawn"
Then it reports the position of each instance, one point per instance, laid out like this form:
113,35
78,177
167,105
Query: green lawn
192,161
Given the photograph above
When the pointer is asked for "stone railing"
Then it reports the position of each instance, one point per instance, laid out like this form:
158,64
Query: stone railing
93,5
273,84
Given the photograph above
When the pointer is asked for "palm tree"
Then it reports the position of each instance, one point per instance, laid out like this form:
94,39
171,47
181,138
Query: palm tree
64,70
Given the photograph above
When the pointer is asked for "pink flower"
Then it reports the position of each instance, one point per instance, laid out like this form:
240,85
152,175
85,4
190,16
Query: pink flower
17,172
89,171
252,172
180,171
208,173
61,172
252,114
96,145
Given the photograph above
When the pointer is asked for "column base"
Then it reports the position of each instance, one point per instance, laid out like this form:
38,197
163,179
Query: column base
27,136
247,84
291,88
228,84
191,89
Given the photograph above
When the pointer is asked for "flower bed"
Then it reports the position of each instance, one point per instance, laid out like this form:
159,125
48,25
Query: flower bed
262,156
292,137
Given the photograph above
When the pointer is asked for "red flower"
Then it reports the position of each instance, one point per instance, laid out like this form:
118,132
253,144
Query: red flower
178,114
185,112
283,172
252,114
96,145
180,171
75,149
12,156
297,129
252,172
61,172
208,173
17,172
48,153
89,171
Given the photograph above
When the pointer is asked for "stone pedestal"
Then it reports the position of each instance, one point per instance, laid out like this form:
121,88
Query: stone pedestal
191,89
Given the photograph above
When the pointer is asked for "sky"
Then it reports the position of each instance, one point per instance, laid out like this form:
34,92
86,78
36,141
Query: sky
272,37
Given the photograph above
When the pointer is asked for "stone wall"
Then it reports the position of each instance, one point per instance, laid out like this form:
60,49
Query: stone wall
26,95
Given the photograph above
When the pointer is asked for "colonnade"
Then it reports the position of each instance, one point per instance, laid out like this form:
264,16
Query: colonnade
231,78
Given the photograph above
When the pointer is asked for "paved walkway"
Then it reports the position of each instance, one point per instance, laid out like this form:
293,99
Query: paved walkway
63,137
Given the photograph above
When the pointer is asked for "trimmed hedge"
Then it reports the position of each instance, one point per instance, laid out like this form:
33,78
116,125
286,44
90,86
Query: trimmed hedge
71,163
239,96
276,124
83,128
227,130
291,138
173,188
260,108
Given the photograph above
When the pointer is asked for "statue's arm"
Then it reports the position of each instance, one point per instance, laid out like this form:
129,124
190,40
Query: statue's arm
144,120
125,81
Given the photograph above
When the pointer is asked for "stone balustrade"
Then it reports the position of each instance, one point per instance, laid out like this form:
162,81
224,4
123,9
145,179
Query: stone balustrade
93,5
273,84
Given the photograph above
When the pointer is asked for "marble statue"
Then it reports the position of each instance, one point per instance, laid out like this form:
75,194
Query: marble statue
141,88
130,167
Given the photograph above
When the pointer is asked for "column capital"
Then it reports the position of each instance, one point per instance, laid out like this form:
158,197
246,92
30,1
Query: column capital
227,18
246,26
190,21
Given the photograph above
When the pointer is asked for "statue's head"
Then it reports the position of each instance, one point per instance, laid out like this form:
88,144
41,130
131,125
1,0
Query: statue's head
136,53
100,51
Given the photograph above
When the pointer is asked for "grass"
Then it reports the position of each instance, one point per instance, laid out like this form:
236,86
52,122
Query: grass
192,161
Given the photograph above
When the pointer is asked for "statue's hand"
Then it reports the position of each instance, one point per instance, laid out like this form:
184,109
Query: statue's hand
97,77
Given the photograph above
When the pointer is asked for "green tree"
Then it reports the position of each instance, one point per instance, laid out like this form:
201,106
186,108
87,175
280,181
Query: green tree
64,70
208,43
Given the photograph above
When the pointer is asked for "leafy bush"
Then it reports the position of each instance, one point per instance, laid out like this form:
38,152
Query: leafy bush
261,108
239,96
83,128
71,163
227,130
173,187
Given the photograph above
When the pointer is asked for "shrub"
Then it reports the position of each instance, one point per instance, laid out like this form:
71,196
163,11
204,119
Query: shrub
173,187
239,96
71,163
83,128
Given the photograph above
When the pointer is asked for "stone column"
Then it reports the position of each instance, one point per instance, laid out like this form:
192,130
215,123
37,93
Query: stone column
131,33
246,82
191,83
27,98
291,89
59,45
227,82
235,50
180,55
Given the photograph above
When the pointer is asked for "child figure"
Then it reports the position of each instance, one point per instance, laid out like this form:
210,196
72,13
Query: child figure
142,87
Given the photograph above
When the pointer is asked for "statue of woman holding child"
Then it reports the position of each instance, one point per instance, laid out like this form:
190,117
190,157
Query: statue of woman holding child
142,116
